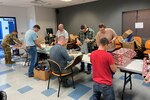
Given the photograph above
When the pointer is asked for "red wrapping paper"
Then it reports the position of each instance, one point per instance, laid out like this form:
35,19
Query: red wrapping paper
123,56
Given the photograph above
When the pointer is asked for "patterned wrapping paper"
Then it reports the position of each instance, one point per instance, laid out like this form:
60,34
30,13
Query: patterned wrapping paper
146,71
123,56
145,68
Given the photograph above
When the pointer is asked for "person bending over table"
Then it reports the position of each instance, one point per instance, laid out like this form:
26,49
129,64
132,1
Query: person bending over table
102,68
108,33
86,40
59,54
31,43
6,46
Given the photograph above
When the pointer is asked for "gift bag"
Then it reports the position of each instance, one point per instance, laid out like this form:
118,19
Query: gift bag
129,45
84,48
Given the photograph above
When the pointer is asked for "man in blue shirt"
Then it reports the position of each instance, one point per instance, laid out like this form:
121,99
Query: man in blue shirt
31,43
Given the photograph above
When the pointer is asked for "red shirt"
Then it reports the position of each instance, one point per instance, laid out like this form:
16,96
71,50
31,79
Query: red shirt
101,61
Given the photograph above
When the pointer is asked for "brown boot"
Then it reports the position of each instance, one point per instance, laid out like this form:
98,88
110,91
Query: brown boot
6,60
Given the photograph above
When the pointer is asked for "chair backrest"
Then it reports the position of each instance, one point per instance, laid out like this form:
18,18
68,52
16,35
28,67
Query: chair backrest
54,66
118,40
139,39
147,44
75,61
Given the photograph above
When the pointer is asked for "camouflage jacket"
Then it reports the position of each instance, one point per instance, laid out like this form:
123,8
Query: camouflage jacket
9,39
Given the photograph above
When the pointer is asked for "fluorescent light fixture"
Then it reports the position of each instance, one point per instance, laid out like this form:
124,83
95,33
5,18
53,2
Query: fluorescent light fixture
66,0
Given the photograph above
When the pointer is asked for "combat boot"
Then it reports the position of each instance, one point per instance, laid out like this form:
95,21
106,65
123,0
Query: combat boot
6,60
11,62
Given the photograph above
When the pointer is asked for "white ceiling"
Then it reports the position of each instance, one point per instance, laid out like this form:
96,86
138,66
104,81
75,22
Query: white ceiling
45,3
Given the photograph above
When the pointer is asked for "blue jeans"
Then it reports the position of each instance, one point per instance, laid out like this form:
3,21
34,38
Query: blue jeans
107,91
32,51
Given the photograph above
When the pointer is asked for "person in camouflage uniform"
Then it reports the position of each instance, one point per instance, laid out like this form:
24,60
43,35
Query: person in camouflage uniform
6,46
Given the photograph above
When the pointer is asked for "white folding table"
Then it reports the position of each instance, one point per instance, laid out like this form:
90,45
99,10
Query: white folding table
133,67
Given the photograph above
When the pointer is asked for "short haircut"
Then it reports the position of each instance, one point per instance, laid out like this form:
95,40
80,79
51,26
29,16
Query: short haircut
83,27
61,38
36,26
101,26
104,41
61,25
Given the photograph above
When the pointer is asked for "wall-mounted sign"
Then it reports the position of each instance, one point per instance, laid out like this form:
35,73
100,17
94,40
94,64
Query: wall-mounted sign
139,25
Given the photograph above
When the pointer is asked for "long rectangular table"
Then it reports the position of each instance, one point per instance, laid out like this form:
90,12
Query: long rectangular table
133,67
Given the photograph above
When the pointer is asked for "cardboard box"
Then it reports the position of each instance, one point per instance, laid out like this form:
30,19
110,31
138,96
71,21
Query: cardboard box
123,56
42,75
127,33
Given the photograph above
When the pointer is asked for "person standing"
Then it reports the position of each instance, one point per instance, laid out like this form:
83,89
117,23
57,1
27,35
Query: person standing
62,31
86,40
102,68
31,46
109,33
6,42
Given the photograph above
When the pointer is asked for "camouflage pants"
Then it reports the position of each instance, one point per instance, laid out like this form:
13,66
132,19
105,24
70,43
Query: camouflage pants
7,53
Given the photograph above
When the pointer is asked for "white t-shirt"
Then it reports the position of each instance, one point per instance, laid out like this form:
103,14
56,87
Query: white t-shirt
65,33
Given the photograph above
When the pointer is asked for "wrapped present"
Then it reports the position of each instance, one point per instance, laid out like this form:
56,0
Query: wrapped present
123,56
147,78
145,68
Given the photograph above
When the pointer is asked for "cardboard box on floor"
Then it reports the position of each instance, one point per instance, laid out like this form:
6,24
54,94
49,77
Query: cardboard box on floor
42,75
127,33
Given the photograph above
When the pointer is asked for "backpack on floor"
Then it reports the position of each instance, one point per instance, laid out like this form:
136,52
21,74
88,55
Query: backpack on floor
3,95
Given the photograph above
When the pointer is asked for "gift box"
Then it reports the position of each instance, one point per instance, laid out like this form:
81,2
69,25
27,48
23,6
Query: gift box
123,56
42,75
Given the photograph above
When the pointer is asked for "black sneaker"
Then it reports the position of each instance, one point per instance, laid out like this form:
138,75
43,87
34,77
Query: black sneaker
31,76
65,83
88,72
81,70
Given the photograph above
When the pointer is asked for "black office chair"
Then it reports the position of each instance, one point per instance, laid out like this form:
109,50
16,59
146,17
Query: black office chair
75,62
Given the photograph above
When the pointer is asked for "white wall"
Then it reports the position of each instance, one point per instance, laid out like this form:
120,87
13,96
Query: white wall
19,12
46,18
26,17
31,17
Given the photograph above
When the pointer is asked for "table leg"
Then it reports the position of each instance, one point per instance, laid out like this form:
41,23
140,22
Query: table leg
130,81
124,85
126,80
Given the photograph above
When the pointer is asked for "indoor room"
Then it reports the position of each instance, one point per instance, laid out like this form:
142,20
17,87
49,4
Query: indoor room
74,50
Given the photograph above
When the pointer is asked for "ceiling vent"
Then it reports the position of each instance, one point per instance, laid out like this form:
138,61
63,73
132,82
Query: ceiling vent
40,3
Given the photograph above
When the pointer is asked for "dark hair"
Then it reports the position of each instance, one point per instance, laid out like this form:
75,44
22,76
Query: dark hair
104,41
101,26
36,26
15,31
83,27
